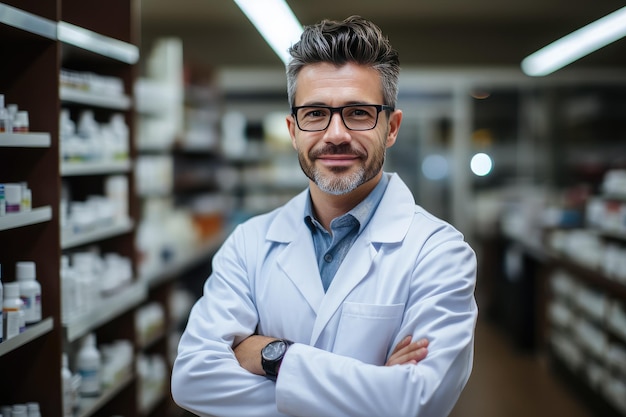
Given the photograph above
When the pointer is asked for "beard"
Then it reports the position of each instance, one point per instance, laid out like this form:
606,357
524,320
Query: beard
341,180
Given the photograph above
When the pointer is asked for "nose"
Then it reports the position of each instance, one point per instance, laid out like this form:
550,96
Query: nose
337,132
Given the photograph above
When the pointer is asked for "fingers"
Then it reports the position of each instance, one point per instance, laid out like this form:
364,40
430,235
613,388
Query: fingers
407,352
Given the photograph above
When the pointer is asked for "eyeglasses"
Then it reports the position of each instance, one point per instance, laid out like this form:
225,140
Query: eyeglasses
354,116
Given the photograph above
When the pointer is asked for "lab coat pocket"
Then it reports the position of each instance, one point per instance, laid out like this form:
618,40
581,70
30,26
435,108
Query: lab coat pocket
365,330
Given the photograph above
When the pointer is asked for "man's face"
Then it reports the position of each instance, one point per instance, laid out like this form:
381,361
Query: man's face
337,159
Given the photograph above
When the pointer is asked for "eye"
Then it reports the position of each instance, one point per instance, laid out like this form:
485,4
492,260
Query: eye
359,112
314,112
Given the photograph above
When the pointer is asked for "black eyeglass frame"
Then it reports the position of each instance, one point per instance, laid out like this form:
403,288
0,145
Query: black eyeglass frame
333,110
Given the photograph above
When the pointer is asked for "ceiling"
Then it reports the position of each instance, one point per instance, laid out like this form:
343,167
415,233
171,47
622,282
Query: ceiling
427,33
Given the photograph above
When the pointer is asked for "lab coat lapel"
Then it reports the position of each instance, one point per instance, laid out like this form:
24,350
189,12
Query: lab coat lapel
352,271
299,264
297,260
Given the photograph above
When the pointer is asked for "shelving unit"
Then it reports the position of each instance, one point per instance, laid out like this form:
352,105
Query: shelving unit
44,38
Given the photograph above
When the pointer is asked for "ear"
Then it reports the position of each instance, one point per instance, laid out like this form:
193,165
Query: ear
395,119
291,126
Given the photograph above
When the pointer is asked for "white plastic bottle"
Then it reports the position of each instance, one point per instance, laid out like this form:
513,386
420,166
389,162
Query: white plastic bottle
30,291
66,384
88,365
11,310
69,290
19,410
32,409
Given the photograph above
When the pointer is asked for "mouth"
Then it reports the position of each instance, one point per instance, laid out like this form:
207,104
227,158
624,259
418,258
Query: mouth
336,160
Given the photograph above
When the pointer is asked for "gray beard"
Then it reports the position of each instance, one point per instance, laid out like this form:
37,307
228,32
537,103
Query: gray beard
339,186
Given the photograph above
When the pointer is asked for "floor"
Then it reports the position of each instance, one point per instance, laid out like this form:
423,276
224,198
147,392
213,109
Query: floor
509,383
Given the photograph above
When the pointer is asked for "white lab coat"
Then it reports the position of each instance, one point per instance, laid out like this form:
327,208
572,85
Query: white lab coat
408,273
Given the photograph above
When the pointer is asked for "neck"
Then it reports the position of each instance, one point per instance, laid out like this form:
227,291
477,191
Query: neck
328,206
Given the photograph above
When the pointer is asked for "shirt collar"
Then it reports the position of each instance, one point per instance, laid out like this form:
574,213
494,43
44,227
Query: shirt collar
362,212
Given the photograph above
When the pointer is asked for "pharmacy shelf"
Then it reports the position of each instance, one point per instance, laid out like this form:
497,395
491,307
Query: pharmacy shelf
171,270
28,22
590,276
74,95
93,406
31,333
37,215
106,310
70,169
97,43
25,140
71,240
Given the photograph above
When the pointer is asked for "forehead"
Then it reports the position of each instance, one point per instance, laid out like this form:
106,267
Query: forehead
327,83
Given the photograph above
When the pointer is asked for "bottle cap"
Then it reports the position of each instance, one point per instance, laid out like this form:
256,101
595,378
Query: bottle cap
21,119
11,290
25,270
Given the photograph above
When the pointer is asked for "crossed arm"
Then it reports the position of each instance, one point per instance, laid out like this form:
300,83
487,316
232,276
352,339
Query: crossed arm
248,352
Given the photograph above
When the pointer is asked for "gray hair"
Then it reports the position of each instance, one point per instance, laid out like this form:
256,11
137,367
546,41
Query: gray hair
355,40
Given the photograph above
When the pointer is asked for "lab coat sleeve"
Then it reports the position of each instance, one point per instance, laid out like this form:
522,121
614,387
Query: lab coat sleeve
207,378
441,307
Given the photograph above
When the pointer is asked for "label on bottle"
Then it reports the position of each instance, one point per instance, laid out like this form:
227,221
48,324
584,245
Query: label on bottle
12,322
32,308
90,382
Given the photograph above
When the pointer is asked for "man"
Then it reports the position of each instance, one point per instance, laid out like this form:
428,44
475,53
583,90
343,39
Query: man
350,300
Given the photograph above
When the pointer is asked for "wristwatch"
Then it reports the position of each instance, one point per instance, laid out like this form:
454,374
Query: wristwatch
272,356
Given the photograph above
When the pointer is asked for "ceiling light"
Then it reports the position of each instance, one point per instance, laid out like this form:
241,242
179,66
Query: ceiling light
275,22
577,44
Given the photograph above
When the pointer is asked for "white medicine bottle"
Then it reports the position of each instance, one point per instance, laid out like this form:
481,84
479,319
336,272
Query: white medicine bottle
66,384
69,290
32,409
30,291
11,310
88,365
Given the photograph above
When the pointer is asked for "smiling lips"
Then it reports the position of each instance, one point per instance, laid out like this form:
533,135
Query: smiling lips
337,159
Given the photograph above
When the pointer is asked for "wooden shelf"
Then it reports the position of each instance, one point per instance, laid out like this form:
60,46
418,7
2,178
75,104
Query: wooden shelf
37,215
71,240
106,310
69,169
94,42
31,333
27,22
46,41
25,140
97,403
596,278
74,95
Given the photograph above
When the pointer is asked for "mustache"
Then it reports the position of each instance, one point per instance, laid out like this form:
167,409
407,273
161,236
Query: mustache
330,149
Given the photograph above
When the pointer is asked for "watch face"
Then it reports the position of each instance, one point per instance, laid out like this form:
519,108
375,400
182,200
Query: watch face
274,350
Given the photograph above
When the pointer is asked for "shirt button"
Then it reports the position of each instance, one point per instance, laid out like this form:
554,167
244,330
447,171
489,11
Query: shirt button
328,258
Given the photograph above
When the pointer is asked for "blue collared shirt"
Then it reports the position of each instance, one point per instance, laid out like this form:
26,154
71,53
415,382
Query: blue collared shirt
331,248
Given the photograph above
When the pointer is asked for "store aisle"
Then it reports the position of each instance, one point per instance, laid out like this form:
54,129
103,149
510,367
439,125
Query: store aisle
506,383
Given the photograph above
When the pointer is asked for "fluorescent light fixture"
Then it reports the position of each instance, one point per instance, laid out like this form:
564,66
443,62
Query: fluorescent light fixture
577,44
275,22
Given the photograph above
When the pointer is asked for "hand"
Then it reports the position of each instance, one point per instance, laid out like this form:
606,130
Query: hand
407,352
248,353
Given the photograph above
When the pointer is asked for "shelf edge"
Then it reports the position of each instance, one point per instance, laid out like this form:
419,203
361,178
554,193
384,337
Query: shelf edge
100,44
28,22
